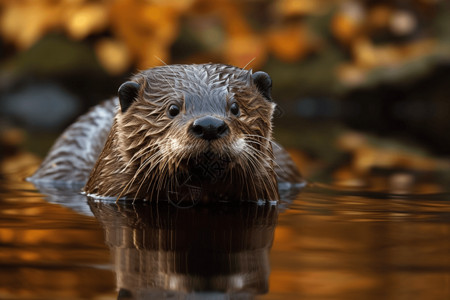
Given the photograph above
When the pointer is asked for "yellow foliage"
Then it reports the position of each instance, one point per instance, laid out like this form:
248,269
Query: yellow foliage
369,56
289,43
24,22
301,7
346,27
364,53
408,170
367,156
144,30
86,19
244,49
113,55
147,28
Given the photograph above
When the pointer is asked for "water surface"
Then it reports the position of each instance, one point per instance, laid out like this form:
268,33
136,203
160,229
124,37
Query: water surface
327,243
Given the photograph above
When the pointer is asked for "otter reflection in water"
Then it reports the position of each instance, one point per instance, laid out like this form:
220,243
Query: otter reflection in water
161,251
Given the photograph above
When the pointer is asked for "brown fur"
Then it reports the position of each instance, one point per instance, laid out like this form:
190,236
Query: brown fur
149,155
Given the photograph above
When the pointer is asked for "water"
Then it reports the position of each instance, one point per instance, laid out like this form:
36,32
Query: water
328,243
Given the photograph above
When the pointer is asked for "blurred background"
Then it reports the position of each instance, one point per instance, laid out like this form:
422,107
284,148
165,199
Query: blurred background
363,86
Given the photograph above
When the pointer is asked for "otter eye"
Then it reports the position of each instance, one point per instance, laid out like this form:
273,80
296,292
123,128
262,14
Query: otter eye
234,108
173,110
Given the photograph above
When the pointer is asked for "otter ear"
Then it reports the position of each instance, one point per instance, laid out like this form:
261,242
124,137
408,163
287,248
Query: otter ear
128,93
263,82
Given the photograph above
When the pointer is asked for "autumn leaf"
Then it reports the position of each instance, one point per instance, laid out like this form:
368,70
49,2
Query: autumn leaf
113,55
348,22
24,22
289,43
86,19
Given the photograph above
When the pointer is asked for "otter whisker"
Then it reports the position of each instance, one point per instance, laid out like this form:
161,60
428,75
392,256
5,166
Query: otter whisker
258,157
162,168
143,180
250,172
244,68
264,138
252,60
149,160
263,155
139,155
158,58
155,174
258,165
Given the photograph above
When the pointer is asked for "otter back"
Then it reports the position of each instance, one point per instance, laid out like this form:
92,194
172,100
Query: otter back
73,155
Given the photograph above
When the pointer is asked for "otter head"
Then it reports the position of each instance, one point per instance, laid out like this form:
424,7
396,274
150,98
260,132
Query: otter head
193,131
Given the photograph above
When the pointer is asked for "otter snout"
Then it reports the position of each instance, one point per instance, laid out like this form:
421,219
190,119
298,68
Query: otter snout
209,128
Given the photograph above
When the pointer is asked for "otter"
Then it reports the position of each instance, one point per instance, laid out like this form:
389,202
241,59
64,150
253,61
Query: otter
181,132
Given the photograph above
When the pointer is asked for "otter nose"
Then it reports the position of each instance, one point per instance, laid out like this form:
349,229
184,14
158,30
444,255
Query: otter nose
209,128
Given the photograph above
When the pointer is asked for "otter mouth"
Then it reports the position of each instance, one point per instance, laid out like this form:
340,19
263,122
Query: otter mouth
203,174
209,166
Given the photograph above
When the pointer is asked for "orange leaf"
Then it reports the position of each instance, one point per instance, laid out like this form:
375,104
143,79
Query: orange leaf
86,19
289,43
113,55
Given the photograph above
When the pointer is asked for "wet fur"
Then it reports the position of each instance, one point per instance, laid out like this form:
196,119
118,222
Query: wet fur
149,155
